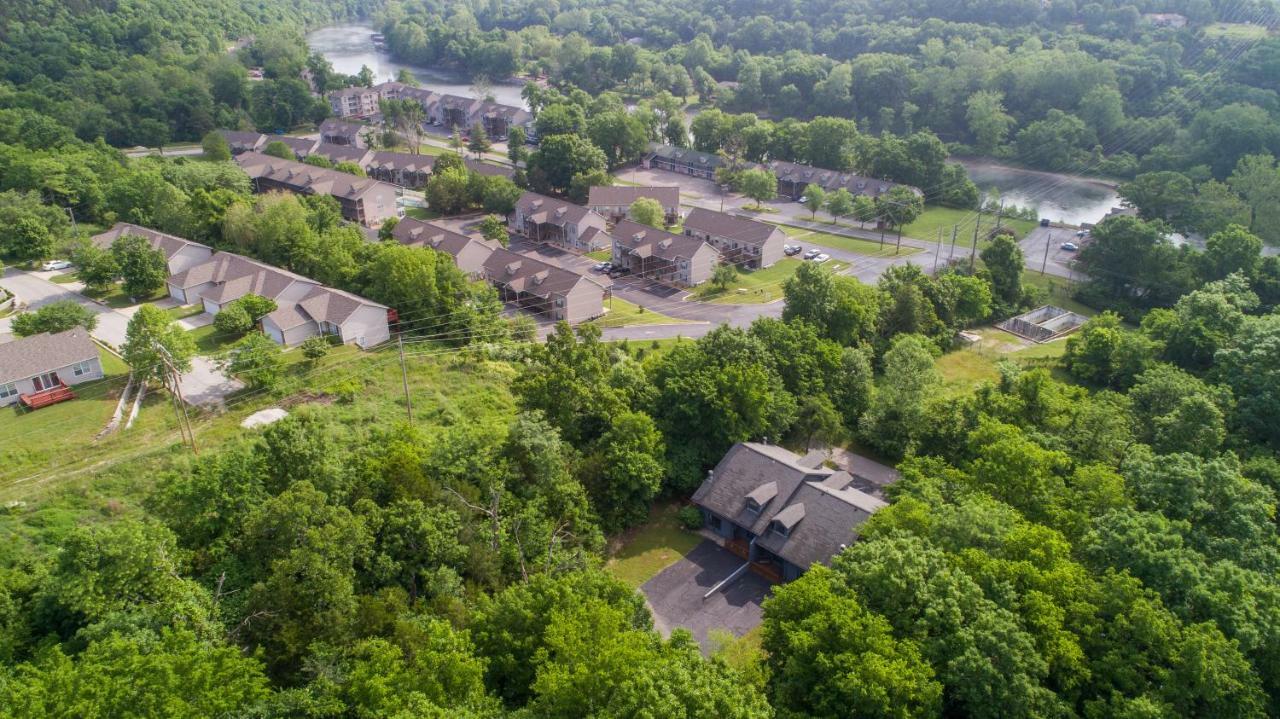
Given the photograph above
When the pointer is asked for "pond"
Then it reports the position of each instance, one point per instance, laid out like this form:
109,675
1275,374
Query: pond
350,46
1062,198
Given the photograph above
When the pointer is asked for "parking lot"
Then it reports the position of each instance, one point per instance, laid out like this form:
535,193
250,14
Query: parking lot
1057,261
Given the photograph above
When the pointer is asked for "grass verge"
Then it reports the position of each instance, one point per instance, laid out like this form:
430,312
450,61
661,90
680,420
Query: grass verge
756,286
644,551
623,313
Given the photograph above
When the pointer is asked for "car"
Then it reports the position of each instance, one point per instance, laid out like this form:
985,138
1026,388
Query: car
602,267
1082,233
1068,246
1044,222
822,257
803,199
55,265
790,250
812,254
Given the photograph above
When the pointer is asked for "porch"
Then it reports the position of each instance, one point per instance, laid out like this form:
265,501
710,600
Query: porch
43,398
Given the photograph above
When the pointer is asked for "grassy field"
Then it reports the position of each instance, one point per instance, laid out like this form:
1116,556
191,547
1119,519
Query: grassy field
1235,31
54,449
65,278
622,313
184,311
600,255
966,368
210,341
642,552
934,218
756,286
115,297
848,244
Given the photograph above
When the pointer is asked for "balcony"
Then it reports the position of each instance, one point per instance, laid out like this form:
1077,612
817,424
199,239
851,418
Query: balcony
44,398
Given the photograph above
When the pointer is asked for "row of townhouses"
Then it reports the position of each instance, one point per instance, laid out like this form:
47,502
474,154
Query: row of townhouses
305,308
793,178
447,111
366,201
532,284
397,168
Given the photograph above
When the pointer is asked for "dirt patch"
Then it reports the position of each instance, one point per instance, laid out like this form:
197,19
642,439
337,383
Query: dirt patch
307,396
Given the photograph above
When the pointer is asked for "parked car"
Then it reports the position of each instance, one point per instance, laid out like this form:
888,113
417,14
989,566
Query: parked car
55,265
822,257
790,250
1069,246
1082,233
812,253
1044,222
602,267
803,199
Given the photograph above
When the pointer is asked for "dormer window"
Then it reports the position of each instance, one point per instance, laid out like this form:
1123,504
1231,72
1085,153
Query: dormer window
778,529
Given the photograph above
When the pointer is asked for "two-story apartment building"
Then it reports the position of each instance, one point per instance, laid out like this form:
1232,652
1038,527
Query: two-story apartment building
546,219
742,242
552,291
400,168
468,253
179,253
368,202
498,119
241,142
794,179
455,111
659,255
337,132
343,153
613,202
682,160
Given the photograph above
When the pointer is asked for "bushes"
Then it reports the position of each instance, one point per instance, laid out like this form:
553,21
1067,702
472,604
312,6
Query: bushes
690,517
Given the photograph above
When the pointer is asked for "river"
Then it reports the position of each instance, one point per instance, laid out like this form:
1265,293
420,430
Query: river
350,46
1061,198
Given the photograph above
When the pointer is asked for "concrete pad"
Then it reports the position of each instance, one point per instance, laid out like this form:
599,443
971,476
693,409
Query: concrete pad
205,384
675,595
194,322
264,417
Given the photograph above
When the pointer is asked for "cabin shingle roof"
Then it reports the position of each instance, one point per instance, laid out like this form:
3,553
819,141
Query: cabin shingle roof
29,356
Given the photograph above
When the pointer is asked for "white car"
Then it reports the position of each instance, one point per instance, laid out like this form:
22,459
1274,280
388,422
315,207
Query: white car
55,265
812,254
1069,247
821,257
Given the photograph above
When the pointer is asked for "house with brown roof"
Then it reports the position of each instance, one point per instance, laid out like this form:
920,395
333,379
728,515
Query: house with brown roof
782,513
38,370
682,160
614,202
400,168
560,222
337,132
427,99
361,200
468,253
552,291
742,242
300,146
354,101
343,153
452,111
226,277
243,141
659,255
178,253
794,179
329,312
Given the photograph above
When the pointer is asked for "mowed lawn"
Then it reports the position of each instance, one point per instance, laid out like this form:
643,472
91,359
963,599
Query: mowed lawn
756,286
848,244
937,218
622,313
644,551
966,368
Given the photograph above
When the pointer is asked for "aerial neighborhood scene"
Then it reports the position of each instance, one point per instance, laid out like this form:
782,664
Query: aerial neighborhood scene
712,360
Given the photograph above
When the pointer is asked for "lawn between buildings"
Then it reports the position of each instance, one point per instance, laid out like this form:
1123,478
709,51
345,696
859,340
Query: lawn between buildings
756,286
935,218
622,313
639,553
849,244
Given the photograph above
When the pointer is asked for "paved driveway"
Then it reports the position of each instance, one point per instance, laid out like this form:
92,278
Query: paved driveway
675,595
34,291
205,384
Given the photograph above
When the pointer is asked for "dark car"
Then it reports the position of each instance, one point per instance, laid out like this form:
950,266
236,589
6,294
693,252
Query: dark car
790,250
1044,222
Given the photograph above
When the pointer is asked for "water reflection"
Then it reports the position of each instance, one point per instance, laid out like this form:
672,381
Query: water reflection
1061,198
350,46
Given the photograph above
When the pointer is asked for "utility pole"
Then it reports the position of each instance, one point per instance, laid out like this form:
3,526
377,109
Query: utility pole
937,251
404,378
955,230
1048,241
999,215
175,393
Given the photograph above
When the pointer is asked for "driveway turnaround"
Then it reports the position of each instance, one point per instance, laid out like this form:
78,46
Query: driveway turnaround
675,595
205,384
35,292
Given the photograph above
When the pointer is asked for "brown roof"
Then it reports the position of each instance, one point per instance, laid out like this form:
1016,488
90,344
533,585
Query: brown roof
333,126
342,153
236,276
301,177
243,140
645,241
525,274
411,231
300,145
624,195
401,161
170,245
325,304
30,356
831,179
543,209
732,227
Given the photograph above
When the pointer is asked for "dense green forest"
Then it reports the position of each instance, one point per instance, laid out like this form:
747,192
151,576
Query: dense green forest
1062,85
1091,536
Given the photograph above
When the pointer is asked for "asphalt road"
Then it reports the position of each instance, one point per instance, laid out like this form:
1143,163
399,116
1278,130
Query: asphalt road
34,291
1055,261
